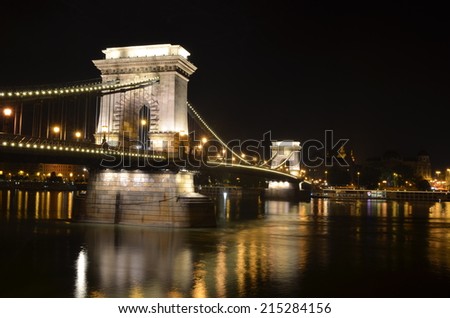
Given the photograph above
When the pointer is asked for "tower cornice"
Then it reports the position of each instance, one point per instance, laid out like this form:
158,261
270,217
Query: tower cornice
146,59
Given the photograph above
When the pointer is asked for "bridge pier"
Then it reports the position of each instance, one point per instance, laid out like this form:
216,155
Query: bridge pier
289,191
152,198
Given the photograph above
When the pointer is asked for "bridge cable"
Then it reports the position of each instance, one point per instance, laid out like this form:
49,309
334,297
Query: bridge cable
103,87
284,161
197,116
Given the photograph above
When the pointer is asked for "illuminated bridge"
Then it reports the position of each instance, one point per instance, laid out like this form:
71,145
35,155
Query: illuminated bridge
135,130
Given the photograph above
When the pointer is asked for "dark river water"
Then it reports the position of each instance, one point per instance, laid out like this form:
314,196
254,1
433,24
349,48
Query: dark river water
322,248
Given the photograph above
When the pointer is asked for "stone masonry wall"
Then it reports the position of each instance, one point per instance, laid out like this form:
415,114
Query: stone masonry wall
147,198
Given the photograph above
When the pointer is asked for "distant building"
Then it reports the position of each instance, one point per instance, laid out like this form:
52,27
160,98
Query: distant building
419,165
394,170
286,154
423,166
66,171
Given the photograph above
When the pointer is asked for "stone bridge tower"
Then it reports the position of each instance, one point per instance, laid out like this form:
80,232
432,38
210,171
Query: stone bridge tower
151,116
286,154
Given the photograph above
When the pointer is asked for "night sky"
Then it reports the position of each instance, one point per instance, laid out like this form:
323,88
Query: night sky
374,72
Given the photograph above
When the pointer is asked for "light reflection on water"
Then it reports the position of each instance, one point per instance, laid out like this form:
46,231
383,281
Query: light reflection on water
321,248
36,205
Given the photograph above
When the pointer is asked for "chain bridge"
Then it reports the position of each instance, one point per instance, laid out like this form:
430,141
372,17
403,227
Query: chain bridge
144,144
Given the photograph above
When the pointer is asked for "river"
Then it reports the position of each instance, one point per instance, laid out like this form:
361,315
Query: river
322,248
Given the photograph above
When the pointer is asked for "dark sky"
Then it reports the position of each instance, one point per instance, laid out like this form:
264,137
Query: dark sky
374,72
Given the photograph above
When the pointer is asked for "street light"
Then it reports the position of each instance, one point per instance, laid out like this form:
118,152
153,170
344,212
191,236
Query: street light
78,135
7,112
201,149
224,154
56,130
358,173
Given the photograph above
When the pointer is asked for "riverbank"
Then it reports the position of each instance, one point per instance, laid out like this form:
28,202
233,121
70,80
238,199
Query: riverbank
42,185
336,193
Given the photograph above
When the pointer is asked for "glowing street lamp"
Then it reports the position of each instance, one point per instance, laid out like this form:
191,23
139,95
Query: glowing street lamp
78,135
56,131
358,173
7,112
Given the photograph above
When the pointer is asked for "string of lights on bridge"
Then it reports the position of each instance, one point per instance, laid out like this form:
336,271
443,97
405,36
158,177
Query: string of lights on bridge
79,89
77,148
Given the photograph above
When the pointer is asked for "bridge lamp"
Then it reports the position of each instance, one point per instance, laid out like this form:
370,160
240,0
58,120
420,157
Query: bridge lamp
7,112
56,130
78,135
224,153
204,140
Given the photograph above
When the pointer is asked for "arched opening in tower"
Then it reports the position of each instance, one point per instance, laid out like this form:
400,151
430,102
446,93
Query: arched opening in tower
144,126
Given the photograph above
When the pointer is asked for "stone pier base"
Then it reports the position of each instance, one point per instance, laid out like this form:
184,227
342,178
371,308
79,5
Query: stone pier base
286,192
157,198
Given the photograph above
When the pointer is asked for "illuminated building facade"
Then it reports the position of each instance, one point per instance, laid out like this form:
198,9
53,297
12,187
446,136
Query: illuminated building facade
286,154
152,116
423,166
